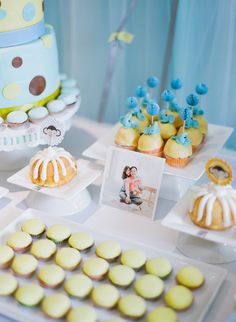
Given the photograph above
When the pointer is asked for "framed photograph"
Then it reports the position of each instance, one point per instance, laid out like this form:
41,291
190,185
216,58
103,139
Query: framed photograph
132,181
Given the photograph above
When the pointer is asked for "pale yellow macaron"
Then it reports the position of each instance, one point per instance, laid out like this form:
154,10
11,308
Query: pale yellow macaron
29,294
109,250
190,277
43,249
24,265
132,306
179,298
162,314
68,258
82,313
56,305
121,275
96,268
6,256
8,284
19,241
81,241
159,266
105,295
133,258
58,233
78,285
35,227
149,286
51,276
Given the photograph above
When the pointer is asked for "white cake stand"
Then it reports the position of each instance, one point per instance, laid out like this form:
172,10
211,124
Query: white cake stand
61,201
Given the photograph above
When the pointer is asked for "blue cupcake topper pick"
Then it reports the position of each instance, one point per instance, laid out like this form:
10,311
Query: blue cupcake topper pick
127,122
201,89
152,129
165,117
167,95
192,99
185,113
190,123
141,91
174,106
152,81
182,138
176,84
132,102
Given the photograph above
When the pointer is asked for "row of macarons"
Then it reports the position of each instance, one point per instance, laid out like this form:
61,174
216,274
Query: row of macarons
68,96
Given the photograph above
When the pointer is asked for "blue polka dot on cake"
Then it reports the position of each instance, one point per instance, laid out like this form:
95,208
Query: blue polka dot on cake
29,11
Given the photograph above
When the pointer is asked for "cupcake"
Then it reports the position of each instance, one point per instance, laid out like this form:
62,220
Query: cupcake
81,240
194,134
56,106
56,305
24,265
58,233
174,110
178,150
29,295
141,120
127,136
51,276
68,258
35,227
151,141
43,249
16,119
79,286
82,313
166,126
6,256
19,241
37,114
8,284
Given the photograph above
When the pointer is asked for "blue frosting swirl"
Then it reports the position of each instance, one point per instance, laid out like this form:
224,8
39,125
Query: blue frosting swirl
182,138
152,129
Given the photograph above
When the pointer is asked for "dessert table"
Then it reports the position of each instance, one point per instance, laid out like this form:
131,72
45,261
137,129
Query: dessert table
123,224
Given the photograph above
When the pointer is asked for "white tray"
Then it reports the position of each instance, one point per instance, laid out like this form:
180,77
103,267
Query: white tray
215,140
203,297
88,172
179,219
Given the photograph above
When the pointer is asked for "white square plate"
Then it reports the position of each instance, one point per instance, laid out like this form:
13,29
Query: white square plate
216,138
179,219
203,297
88,172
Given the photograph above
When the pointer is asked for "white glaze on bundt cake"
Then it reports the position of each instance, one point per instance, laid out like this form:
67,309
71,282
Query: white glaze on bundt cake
52,167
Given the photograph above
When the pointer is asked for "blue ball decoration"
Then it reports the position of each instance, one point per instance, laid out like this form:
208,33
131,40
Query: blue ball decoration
186,113
167,95
192,99
132,102
176,84
201,89
29,11
141,91
153,108
152,82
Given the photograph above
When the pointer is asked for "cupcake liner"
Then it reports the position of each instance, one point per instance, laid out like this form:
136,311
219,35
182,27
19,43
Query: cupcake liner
155,152
131,148
177,162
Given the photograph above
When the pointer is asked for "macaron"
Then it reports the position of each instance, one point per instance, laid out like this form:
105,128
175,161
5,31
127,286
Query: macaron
35,227
37,114
68,258
43,249
51,276
82,313
109,250
96,268
29,294
132,306
8,284
133,258
62,76
81,241
105,295
24,265
19,241
16,118
162,314
56,106
68,99
70,90
6,256
190,277
56,305
179,298
149,286
79,286
58,233
69,82
159,266
121,275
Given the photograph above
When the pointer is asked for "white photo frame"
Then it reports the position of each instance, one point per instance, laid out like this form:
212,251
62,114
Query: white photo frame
136,189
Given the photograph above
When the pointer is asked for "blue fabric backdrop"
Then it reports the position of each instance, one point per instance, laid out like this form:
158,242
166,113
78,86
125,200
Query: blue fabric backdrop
203,50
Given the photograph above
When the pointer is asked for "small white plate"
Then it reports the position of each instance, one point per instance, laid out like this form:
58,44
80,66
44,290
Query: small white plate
179,219
203,297
216,138
88,172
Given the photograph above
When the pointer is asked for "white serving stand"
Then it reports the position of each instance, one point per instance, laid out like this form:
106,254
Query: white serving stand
176,181
18,145
60,201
